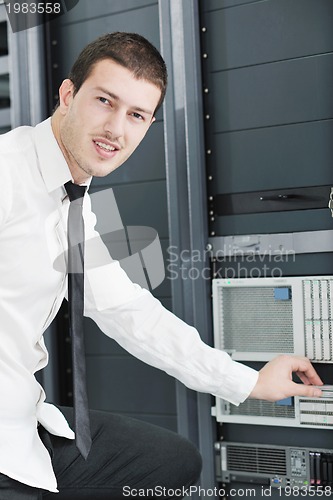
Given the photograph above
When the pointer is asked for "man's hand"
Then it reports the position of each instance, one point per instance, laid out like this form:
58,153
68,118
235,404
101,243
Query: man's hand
275,379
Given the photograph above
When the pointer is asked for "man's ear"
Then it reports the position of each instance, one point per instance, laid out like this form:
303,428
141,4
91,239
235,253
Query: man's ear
66,93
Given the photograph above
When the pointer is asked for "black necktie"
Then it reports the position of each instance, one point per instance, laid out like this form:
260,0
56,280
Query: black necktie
76,305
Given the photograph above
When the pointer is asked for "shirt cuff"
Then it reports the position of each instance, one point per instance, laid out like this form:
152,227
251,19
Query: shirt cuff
240,376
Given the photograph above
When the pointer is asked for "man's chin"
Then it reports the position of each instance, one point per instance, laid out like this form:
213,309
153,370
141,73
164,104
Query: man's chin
103,172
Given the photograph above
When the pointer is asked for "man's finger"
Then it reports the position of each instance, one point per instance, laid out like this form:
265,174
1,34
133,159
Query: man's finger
307,390
305,371
303,378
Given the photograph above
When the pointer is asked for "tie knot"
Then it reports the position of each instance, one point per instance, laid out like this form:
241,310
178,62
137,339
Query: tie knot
74,191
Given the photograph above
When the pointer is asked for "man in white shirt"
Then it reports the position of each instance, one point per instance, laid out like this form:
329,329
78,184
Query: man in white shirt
106,106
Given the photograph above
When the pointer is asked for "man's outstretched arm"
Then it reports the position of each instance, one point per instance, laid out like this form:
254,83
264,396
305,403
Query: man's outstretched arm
275,379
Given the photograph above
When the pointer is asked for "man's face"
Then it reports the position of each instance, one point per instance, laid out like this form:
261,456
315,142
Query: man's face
100,127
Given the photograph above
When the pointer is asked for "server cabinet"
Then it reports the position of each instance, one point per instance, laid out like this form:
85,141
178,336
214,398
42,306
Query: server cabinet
267,74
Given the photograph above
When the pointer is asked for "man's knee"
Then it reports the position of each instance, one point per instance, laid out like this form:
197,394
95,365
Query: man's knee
182,462
191,462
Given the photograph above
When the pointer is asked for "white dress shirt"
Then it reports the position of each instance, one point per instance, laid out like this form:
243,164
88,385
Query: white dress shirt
33,221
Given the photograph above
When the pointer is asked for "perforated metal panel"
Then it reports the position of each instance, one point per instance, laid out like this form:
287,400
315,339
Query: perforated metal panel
252,407
257,460
252,320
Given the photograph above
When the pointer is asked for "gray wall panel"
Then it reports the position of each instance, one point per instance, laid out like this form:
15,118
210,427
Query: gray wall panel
272,94
79,34
148,205
209,5
239,32
125,384
91,10
273,157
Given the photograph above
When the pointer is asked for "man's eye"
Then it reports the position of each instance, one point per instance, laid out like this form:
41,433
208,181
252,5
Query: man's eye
137,115
103,100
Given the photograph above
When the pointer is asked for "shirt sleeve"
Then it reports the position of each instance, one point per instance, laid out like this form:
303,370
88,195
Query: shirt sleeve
142,326
6,193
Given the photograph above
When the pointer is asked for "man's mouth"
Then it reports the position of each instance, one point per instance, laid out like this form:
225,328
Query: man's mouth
106,147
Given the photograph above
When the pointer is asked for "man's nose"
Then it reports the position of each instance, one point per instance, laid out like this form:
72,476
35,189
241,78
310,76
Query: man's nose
115,126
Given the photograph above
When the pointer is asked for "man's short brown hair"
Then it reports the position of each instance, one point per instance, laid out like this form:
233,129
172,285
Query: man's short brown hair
130,50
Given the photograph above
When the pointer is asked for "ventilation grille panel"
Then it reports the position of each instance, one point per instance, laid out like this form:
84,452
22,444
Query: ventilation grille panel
256,460
252,320
258,408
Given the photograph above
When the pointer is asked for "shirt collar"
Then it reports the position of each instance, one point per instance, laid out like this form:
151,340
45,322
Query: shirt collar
52,164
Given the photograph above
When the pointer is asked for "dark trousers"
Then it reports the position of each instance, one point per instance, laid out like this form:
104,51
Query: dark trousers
129,458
